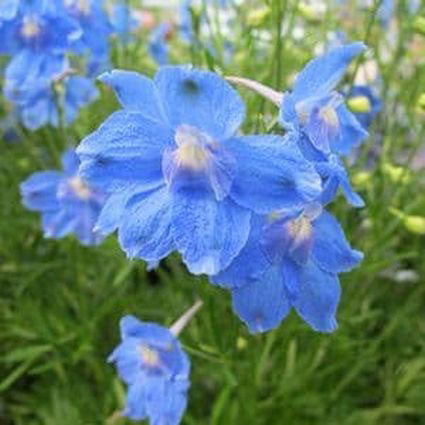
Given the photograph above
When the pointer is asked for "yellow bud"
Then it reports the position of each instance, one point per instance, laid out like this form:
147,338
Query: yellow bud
421,101
419,25
258,17
361,179
396,174
359,104
241,343
415,224
309,13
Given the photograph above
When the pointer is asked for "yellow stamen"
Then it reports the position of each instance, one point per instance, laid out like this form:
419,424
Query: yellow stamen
30,27
80,188
150,357
190,153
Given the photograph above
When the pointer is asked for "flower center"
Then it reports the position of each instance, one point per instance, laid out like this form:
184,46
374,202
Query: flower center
80,188
150,357
30,27
300,229
329,115
82,6
191,151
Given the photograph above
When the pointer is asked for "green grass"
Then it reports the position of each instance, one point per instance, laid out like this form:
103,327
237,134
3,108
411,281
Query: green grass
60,303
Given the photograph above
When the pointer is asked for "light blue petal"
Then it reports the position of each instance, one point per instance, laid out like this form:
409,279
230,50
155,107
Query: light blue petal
70,162
322,74
351,132
137,399
314,293
331,251
39,191
263,304
249,264
167,402
145,229
126,149
135,93
272,174
128,359
207,233
8,9
201,99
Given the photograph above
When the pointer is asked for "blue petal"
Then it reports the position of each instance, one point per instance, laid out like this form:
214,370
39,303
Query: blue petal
207,233
201,99
137,399
39,191
352,133
151,333
8,9
145,229
314,293
126,149
322,74
58,224
272,174
263,304
113,210
249,264
70,162
167,401
331,250
86,217
135,93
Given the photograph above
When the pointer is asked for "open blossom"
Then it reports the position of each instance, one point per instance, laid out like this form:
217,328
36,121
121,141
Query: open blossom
152,363
37,104
37,35
290,260
178,175
66,203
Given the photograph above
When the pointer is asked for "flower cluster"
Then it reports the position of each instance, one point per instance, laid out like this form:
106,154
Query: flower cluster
47,42
246,210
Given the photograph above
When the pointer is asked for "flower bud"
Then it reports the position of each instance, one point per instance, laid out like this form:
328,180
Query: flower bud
258,17
421,101
419,25
361,179
415,224
396,174
359,104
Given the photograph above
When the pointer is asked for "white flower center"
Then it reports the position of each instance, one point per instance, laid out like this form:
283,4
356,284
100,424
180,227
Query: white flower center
329,115
190,152
80,188
30,27
82,6
150,357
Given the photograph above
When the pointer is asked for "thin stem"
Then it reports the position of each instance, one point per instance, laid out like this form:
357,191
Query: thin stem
181,323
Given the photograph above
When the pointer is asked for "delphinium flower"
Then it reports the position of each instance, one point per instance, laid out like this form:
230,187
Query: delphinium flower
96,29
315,112
158,47
151,361
364,103
66,203
292,259
37,37
178,175
124,21
38,104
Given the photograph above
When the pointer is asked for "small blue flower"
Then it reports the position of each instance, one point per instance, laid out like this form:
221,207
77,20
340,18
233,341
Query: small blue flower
158,47
66,203
179,176
123,21
152,363
96,29
290,260
37,36
37,104
367,102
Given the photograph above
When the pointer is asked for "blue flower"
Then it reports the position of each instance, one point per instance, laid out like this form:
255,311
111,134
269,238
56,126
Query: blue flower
290,260
37,36
179,176
123,21
364,103
37,104
158,47
152,363
66,203
318,115
96,29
